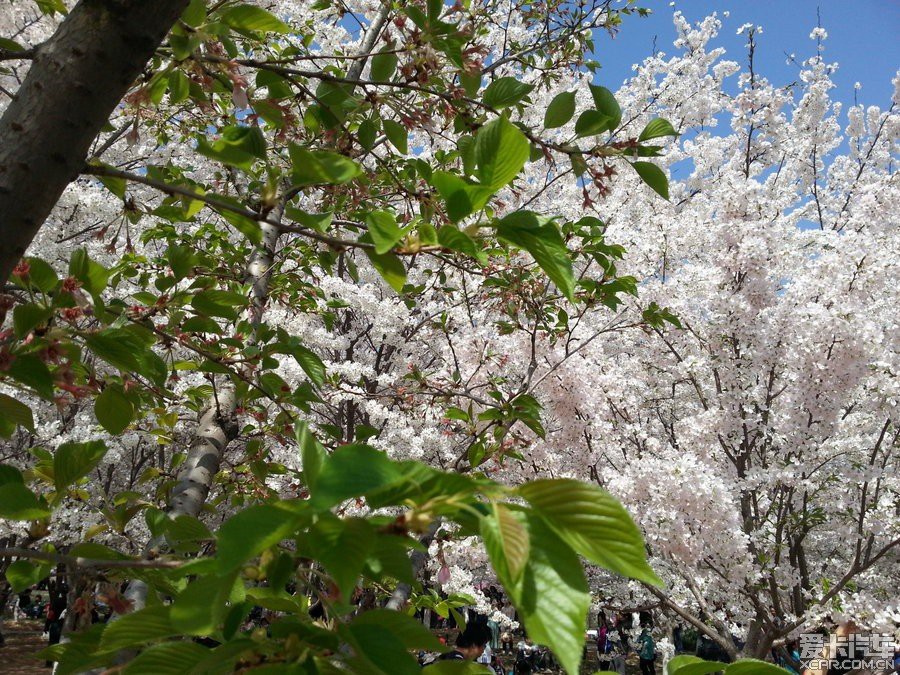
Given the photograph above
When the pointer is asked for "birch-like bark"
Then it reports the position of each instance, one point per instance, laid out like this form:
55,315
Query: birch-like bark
217,425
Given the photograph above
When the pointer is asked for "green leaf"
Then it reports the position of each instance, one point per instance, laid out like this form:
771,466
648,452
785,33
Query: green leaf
509,539
342,545
384,230
653,176
560,110
312,453
504,92
195,14
113,409
754,667
367,133
320,222
115,184
200,608
552,595
51,7
17,502
606,103
40,275
593,523
11,45
138,628
306,358
251,531
390,267
248,18
73,461
216,302
457,240
591,123
16,412
321,167
32,372
397,135
91,274
10,474
168,658
543,241
383,66
29,316
352,471
462,198
378,651
501,151
117,347
182,260
693,665
22,574
410,632
238,146
471,83
657,128
179,90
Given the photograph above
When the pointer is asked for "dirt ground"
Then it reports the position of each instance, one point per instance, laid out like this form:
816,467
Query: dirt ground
23,641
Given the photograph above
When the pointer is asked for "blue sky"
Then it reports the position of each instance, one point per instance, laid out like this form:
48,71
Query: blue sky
863,37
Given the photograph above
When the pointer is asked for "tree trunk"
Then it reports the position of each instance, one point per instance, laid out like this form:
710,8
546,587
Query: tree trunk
75,82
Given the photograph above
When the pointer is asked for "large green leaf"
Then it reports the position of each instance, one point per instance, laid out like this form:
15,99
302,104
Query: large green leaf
693,665
379,652
73,461
606,103
656,128
249,18
23,574
410,632
31,371
16,412
397,135
90,273
321,167
384,64
501,151
312,453
40,275
552,595
653,176
560,110
509,539
17,502
593,523
342,546
457,240
352,471
390,267
383,230
138,628
543,241
251,531
591,123
754,667
463,198
238,146
504,92
167,658
114,409
200,608
221,303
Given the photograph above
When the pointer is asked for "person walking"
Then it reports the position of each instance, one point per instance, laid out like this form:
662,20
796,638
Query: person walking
647,652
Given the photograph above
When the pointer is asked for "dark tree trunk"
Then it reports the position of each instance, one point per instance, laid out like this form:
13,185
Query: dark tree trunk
75,82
